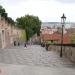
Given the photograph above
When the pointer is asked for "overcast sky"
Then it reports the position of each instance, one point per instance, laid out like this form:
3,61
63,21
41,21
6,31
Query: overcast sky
46,10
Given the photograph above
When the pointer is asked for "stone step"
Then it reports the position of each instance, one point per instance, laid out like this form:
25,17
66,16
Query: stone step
10,69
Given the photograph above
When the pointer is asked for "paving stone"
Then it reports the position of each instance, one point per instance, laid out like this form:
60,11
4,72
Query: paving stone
33,60
33,55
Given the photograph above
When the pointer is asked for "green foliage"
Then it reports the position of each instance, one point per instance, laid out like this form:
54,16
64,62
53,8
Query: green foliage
9,19
4,14
30,23
72,38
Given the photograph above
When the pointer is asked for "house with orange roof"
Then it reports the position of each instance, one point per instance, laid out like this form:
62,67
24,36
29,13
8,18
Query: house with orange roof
53,36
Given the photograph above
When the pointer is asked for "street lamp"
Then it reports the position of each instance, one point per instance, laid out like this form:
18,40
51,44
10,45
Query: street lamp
63,19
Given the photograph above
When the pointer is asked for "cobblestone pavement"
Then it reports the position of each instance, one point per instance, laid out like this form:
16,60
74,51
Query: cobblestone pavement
8,69
33,55
33,60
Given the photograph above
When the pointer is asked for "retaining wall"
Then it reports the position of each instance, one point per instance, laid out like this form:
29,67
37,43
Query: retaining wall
68,51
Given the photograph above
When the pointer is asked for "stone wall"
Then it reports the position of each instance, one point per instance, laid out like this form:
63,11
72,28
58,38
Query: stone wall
8,33
68,51
0,41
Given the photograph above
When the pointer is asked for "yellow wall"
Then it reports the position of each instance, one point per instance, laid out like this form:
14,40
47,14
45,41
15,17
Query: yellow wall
22,36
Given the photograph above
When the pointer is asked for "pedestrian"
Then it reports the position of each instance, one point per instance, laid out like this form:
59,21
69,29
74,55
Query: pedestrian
25,44
14,43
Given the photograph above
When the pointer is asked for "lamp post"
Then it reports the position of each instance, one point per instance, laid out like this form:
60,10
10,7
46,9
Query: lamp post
63,18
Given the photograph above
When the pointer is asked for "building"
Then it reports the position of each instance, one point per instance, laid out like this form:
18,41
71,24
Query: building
53,35
8,33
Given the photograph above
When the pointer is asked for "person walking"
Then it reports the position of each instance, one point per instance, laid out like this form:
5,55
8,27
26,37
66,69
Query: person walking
14,43
25,44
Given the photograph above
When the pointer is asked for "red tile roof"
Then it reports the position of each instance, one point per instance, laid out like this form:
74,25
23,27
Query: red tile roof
66,39
55,37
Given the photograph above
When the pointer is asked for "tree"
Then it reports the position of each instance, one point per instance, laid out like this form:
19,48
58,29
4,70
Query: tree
9,19
4,14
30,23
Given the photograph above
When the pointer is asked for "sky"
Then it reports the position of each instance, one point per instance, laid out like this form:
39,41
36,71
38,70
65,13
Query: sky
46,10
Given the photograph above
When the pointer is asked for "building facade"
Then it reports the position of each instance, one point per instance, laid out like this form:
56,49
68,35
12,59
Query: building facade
53,35
8,33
